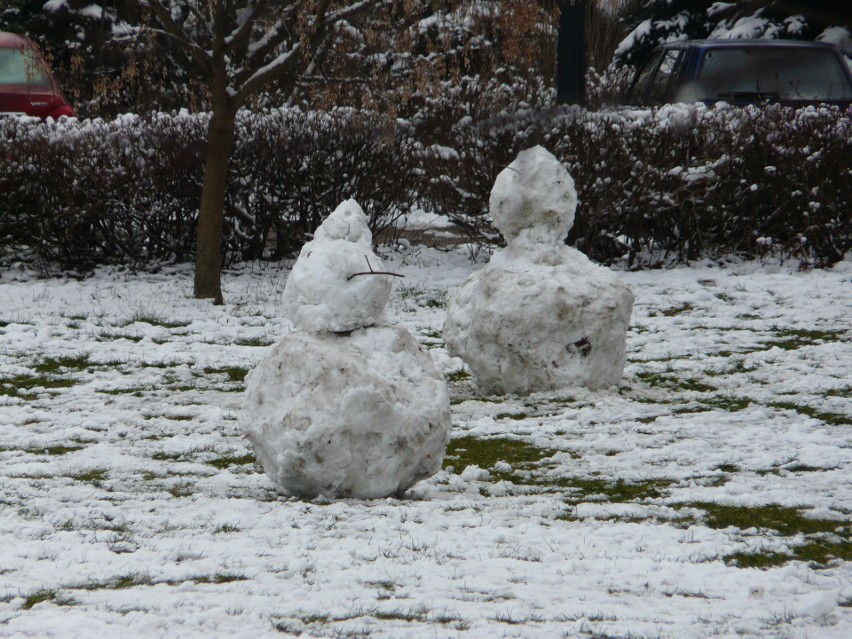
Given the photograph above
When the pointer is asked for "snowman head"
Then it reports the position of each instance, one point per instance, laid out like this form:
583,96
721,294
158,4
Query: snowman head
534,197
346,222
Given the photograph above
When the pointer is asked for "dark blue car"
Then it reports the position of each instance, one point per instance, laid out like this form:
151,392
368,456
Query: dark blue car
741,72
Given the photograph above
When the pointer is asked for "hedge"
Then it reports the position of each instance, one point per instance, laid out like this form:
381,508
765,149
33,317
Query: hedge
656,186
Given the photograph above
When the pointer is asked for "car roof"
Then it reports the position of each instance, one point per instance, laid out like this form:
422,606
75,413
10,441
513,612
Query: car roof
724,43
12,41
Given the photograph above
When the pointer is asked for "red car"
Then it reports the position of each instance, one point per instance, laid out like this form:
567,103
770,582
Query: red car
27,86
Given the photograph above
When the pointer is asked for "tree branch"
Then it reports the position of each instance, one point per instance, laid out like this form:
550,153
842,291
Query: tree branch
372,272
239,41
283,66
172,29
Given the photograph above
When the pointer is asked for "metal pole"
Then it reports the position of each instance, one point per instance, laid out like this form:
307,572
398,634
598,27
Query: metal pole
571,53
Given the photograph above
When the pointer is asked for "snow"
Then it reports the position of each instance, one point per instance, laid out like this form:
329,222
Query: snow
168,543
324,291
540,316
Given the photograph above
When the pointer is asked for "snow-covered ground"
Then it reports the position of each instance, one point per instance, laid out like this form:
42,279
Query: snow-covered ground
704,497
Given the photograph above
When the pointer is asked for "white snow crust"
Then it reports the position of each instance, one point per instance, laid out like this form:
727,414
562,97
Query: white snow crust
540,316
363,415
130,506
321,294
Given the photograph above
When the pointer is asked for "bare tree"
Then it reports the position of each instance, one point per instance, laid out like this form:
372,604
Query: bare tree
236,48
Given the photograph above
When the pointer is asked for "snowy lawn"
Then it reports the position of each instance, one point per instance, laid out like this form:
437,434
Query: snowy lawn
709,495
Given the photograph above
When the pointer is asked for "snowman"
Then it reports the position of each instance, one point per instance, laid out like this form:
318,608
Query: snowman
540,316
347,405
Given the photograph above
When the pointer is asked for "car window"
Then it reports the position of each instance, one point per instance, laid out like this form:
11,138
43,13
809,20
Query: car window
639,93
18,66
785,74
660,89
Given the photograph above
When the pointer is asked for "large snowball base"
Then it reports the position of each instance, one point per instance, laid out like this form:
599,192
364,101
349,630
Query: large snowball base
540,319
364,415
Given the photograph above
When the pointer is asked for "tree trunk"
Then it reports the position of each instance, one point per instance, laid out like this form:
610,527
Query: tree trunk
208,253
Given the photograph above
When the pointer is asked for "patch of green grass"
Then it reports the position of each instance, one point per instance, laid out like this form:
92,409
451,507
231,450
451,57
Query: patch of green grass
515,416
55,450
409,292
787,521
155,320
119,335
132,580
129,581
94,476
182,388
40,596
227,528
54,365
760,560
528,464
385,584
728,468
253,341
803,468
161,456
839,392
182,489
833,419
162,364
726,403
458,376
737,366
37,598
678,310
663,380
485,453
790,339
823,551
618,491
121,582
794,468
234,373
509,618
411,614
819,552
219,578
133,390
447,619
21,386
224,462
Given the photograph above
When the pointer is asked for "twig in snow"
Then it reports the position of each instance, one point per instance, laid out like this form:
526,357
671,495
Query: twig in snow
372,272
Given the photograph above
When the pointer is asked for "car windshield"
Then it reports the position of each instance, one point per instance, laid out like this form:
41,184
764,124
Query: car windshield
19,66
783,74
